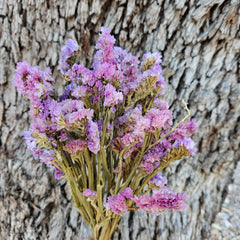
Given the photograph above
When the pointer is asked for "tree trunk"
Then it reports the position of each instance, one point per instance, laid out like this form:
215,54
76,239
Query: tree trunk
200,43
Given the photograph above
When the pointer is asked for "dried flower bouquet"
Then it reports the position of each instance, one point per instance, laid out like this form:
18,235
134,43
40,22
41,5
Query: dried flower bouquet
109,134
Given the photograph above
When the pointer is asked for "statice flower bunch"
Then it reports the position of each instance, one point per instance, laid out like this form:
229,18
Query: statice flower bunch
109,134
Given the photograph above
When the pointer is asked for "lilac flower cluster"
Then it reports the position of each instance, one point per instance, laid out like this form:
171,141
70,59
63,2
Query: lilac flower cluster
93,137
89,193
115,108
158,181
67,52
46,155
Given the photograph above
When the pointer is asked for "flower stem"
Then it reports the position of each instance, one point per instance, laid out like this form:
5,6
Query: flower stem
90,169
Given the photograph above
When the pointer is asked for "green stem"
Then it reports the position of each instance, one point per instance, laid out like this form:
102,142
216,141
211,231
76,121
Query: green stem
137,179
105,231
104,163
100,187
84,214
121,166
150,176
115,224
94,163
90,169
78,198
100,214
119,174
102,153
83,171
138,159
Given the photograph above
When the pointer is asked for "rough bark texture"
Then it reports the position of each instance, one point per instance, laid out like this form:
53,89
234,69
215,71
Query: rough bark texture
200,43
226,224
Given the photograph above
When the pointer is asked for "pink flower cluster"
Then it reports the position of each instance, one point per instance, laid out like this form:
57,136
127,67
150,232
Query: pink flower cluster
162,199
118,203
33,83
112,97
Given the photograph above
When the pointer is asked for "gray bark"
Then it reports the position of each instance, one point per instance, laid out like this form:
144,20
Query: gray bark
200,42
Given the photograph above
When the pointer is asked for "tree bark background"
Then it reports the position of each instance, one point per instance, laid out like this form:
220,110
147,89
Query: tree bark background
200,42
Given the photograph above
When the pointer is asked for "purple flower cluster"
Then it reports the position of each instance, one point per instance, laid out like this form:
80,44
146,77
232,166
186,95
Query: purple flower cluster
159,119
45,155
81,75
158,181
151,160
128,64
188,143
112,97
105,46
67,52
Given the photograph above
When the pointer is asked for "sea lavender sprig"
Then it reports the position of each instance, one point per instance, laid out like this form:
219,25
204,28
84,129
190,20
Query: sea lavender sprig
110,134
